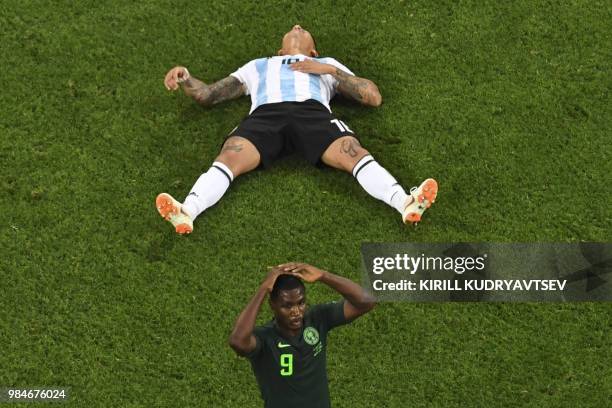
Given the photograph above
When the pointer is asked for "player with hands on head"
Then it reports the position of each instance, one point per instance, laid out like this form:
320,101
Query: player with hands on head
290,113
288,354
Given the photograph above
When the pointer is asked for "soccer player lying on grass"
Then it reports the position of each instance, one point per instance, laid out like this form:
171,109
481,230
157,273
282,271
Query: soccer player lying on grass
290,112
288,355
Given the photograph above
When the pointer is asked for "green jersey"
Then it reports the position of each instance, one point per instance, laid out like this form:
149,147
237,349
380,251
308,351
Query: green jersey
291,372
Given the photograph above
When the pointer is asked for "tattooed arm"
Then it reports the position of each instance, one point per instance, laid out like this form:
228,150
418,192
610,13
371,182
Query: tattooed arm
206,95
359,89
220,91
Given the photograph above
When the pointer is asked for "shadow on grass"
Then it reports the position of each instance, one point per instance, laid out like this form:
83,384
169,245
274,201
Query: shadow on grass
159,247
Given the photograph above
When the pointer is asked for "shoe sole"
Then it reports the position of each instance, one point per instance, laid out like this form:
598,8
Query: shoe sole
428,194
183,229
167,208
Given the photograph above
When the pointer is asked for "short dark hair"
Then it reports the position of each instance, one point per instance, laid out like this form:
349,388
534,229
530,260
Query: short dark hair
286,282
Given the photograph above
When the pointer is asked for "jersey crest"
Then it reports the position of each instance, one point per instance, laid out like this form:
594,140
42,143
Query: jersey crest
311,335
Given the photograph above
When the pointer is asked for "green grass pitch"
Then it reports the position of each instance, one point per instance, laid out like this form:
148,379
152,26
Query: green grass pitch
506,104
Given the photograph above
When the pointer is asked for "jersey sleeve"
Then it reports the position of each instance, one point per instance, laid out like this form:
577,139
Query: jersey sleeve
258,332
335,63
331,314
245,75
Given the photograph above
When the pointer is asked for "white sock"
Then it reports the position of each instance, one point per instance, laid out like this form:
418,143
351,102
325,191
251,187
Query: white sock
378,183
209,189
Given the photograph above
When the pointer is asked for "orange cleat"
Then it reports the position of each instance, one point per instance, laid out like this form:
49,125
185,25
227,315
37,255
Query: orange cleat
420,199
170,209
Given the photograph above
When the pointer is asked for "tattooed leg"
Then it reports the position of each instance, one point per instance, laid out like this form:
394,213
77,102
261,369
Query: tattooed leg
349,146
344,153
347,154
239,155
233,144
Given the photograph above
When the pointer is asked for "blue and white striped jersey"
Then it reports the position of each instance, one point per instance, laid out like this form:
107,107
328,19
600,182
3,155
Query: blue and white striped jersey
271,80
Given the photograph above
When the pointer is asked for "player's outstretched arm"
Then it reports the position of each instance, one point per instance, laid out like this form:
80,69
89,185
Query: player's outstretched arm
358,301
359,89
206,95
242,340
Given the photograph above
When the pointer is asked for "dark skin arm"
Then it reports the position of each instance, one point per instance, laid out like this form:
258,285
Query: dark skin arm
358,89
242,340
207,95
357,301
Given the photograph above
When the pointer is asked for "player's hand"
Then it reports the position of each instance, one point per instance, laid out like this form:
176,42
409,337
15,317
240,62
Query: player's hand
307,273
174,77
273,273
310,66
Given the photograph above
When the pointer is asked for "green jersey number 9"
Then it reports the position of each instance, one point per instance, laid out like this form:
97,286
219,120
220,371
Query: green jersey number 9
286,362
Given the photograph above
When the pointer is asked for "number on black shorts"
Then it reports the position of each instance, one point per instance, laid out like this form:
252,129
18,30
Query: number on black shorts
341,125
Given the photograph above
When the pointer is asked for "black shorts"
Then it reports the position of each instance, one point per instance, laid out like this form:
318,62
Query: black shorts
279,129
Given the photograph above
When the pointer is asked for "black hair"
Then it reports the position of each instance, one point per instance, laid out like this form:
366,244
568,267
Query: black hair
286,282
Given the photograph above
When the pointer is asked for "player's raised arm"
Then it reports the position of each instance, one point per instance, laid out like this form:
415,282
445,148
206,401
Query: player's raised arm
357,300
207,95
359,89
242,340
